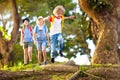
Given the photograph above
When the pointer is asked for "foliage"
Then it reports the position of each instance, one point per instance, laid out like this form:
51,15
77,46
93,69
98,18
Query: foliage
79,34
4,33
38,7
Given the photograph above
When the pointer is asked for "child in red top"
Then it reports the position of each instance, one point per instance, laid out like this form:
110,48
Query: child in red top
56,38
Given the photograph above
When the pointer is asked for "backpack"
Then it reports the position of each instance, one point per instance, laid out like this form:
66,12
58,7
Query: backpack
53,21
30,28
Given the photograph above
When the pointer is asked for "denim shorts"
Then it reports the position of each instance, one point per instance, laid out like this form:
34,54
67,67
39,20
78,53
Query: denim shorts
27,44
40,45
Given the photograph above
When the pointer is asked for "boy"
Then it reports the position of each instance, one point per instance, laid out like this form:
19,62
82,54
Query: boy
56,30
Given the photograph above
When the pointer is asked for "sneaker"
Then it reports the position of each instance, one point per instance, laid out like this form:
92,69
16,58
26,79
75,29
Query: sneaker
60,53
39,64
45,63
30,62
25,64
52,60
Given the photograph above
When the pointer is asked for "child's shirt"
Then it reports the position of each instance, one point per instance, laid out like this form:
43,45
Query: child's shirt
41,33
55,25
27,35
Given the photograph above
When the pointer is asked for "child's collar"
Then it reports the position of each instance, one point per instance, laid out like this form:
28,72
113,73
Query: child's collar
58,17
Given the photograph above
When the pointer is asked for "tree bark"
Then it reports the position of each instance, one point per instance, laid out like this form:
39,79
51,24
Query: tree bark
106,47
6,47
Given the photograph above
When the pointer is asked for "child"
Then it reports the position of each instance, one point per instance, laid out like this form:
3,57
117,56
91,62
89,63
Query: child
56,30
26,40
39,35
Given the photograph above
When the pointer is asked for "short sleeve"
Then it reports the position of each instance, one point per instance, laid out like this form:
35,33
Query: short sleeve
34,30
50,19
46,29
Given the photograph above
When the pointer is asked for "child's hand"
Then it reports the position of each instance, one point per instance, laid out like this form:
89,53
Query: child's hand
49,44
71,17
46,18
35,42
22,42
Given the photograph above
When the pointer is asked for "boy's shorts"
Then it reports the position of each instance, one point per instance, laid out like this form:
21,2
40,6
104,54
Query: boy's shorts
40,45
27,44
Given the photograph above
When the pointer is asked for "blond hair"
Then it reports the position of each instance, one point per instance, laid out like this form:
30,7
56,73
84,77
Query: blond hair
37,21
59,8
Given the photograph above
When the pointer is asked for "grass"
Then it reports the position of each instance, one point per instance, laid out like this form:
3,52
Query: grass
88,67
22,67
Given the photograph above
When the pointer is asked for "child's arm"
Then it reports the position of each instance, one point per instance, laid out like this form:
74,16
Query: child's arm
70,17
47,36
46,18
34,35
22,37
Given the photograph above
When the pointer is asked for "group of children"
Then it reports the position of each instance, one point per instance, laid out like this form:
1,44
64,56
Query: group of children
41,38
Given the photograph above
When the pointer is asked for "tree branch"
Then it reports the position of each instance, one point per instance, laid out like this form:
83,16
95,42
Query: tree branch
16,20
85,6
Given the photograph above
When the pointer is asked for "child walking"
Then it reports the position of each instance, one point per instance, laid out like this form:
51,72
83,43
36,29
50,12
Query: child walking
27,41
40,36
56,38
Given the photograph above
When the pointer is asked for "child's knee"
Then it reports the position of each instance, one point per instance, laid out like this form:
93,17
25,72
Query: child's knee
43,50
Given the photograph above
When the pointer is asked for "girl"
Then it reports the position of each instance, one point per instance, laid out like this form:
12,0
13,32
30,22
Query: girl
26,40
40,36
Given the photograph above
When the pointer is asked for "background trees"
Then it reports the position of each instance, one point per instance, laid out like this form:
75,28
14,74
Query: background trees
11,15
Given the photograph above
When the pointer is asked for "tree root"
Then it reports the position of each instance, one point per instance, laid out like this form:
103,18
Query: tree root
82,74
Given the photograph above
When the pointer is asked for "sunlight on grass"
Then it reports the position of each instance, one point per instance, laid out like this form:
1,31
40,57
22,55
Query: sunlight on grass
21,67
88,67
55,77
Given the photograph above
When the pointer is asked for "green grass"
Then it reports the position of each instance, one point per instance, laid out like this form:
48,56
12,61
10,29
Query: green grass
22,67
88,67
56,77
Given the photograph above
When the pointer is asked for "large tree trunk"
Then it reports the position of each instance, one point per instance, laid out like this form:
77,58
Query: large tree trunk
6,47
106,47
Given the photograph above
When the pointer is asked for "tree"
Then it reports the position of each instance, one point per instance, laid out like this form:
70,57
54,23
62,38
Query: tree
105,14
7,45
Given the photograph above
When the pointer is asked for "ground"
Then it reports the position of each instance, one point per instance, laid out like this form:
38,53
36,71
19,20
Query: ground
45,72
64,72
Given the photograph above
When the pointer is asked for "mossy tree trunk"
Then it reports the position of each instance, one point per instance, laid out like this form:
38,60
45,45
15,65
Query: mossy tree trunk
6,47
108,22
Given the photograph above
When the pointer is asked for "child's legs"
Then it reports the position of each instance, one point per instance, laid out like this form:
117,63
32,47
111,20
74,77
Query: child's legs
60,41
44,51
25,48
39,48
25,55
39,56
30,51
53,41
